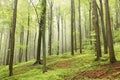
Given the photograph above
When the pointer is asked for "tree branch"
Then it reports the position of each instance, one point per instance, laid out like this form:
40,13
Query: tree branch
35,10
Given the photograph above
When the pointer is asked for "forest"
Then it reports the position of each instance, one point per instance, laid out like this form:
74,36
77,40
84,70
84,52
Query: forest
59,39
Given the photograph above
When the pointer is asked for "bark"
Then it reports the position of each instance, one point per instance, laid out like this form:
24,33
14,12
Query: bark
13,38
58,36
5,49
90,24
28,32
72,27
21,44
58,26
109,33
35,44
103,27
50,28
86,31
38,61
80,31
39,20
1,36
62,34
9,49
96,27
43,24
65,35
74,24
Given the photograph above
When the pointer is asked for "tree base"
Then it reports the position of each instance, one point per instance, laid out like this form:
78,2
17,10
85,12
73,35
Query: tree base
113,61
38,62
97,59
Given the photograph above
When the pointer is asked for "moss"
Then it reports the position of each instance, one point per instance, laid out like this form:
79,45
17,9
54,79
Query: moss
82,62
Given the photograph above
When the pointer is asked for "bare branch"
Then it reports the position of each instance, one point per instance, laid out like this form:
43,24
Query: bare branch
98,9
35,10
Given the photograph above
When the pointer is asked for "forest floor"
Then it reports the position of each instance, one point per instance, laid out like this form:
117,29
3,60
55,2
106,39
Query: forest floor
66,67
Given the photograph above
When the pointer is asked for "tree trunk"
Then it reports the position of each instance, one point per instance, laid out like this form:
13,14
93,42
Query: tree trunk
5,49
96,26
65,35
38,61
21,44
74,23
90,24
72,27
103,28
13,38
80,31
1,36
43,24
58,26
85,27
28,32
9,49
50,28
35,44
109,33
62,33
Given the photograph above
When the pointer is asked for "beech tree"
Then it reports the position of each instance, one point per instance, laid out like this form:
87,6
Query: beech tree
49,34
96,27
21,43
80,31
12,36
50,27
43,26
28,32
58,28
72,27
109,33
39,20
103,27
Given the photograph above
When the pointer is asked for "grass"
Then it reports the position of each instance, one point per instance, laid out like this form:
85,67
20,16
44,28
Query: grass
63,67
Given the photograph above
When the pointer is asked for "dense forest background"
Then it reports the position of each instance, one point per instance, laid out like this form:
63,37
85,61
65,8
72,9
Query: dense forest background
35,31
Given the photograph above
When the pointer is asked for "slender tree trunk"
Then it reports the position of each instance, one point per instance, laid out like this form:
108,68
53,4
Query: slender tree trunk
65,35
90,24
13,38
50,29
50,40
86,32
58,26
109,33
43,23
9,49
39,19
1,36
5,49
35,44
117,14
75,39
1,40
62,34
41,34
27,41
38,61
80,31
103,28
28,32
21,44
72,27
96,26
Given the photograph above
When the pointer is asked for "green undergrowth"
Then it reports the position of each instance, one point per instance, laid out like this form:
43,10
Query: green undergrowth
62,67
